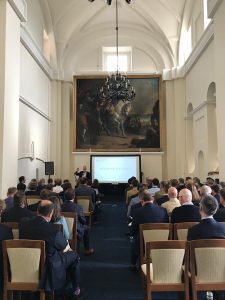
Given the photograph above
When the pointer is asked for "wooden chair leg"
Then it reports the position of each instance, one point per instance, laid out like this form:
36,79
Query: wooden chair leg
42,295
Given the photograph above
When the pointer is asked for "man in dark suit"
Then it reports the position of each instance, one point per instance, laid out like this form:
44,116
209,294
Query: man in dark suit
21,186
83,173
60,263
82,229
208,228
148,213
5,234
18,211
220,214
187,212
84,190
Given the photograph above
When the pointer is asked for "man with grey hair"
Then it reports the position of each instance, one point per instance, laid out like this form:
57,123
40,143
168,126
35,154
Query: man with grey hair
205,190
208,228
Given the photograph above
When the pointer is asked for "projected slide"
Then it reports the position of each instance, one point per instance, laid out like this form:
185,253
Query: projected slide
115,169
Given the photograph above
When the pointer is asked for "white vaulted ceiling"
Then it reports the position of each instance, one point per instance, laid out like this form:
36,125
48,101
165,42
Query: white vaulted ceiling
81,28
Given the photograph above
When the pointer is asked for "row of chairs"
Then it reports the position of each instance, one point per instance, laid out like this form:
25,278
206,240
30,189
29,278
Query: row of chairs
71,220
171,265
83,201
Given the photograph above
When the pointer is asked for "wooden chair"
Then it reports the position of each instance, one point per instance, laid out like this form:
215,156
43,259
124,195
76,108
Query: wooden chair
71,220
153,232
23,266
15,228
85,203
207,259
180,230
32,199
166,268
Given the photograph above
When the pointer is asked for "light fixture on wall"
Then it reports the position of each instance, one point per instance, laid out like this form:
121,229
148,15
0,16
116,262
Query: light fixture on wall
117,87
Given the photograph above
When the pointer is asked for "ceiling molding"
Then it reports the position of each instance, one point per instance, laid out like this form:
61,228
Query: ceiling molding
20,8
212,6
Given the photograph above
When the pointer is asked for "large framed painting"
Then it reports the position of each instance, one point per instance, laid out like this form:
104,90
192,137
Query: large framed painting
123,125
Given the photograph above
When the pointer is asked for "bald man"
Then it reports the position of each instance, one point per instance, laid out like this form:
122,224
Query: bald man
60,266
172,202
187,212
83,173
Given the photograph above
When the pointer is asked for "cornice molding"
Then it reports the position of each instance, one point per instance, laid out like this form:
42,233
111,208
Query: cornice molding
212,6
198,108
20,8
29,43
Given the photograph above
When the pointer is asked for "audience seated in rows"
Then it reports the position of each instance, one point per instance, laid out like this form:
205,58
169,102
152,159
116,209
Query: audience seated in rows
187,212
10,194
57,188
82,229
161,192
61,264
165,196
136,201
84,190
18,211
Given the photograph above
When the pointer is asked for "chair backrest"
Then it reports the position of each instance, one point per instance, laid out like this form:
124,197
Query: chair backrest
84,202
208,262
32,199
153,232
71,220
167,259
181,230
15,228
20,253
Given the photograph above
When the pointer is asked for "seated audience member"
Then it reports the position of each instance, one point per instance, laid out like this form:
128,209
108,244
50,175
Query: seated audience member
208,228
148,213
82,229
187,212
195,194
165,196
174,182
209,181
181,184
222,184
205,190
60,266
197,181
57,188
21,186
136,200
32,187
133,191
18,211
5,234
84,190
10,194
155,186
57,218
49,184
172,202
220,214
216,191
160,193
95,186
2,207
40,186
44,195
128,187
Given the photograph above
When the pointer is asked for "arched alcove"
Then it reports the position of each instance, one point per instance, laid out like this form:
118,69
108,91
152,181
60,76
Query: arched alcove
201,166
212,128
190,139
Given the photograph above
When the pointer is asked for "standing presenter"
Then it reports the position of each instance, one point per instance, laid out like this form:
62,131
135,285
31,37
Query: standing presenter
83,173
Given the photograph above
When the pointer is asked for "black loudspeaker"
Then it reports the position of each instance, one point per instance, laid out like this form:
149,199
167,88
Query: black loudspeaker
49,168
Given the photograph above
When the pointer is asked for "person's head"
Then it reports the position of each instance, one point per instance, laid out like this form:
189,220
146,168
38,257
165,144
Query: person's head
32,185
50,181
215,189
146,197
83,180
205,190
209,181
11,191
134,182
185,196
45,209
174,182
197,180
181,180
222,184
166,187
208,206
84,168
69,194
66,186
95,183
155,181
19,200
141,190
58,181
172,192
222,197
57,209
22,179
45,194
89,182
41,182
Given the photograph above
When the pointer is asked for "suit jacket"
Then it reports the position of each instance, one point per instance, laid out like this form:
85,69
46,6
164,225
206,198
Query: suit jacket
81,174
5,234
149,213
220,214
185,213
207,229
15,214
69,206
84,190
39,229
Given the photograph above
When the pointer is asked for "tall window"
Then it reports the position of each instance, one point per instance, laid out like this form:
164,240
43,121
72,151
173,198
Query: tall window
206,19
109,57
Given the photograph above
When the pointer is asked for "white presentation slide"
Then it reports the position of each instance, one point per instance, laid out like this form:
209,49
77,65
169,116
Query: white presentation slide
115,169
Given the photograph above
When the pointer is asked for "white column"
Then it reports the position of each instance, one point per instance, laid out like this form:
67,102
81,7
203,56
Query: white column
9,92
